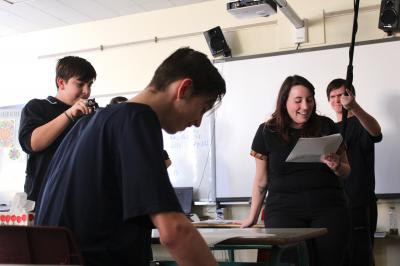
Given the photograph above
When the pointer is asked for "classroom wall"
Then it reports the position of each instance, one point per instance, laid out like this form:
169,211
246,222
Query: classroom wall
130,53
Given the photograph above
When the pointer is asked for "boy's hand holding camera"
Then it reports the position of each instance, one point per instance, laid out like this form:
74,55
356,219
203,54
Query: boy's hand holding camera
81,107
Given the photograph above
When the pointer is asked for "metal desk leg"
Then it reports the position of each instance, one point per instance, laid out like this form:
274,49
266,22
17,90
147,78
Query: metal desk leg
302,252
275,258
231,255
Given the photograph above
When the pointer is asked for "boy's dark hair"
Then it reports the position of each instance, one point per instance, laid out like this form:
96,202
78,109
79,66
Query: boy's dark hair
74,66
118,99
336,84
188,63
281,121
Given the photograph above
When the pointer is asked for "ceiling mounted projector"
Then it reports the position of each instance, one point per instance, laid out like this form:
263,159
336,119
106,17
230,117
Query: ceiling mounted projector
250,9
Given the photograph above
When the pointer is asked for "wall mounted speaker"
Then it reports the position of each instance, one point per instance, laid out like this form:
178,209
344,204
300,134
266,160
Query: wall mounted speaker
217,43
389,16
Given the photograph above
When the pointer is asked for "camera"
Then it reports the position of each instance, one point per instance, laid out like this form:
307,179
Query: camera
92,104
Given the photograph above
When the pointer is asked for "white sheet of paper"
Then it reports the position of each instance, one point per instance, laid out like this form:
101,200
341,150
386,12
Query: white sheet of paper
214,236
308,150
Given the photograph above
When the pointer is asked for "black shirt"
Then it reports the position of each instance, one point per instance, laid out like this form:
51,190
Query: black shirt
360,184
36,113
292,176
106,178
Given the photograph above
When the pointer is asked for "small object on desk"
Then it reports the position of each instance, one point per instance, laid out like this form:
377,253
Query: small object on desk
4,208
220,212
380,234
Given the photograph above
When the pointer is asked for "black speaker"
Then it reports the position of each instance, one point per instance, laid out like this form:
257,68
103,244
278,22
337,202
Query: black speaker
389,16
216,42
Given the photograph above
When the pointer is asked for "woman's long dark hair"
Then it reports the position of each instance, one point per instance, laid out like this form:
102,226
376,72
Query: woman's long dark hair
280,121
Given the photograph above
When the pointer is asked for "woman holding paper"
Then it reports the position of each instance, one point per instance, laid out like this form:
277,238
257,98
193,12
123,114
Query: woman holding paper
306,194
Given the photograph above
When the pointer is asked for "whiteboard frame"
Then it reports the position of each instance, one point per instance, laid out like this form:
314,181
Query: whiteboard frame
307,50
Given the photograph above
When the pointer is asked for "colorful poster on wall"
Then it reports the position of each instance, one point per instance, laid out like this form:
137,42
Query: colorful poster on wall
7,132
12,158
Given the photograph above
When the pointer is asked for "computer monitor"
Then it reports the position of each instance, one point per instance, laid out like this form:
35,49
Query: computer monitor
185,197
6,197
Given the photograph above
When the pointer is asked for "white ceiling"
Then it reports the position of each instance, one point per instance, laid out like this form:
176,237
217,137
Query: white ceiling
19,16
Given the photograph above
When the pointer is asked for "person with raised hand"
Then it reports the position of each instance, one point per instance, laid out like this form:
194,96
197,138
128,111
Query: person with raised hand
362,132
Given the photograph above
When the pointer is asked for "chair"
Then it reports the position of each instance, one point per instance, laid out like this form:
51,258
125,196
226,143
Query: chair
38,245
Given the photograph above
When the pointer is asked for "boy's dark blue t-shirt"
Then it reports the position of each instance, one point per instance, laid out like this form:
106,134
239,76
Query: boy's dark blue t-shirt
104,181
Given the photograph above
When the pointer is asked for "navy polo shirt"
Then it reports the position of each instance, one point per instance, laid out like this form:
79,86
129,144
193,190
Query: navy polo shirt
36,113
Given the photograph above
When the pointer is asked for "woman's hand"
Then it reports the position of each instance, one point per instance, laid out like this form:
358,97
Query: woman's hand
248,222
332,160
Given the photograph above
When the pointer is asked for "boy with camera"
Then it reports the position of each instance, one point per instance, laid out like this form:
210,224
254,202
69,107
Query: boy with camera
45,122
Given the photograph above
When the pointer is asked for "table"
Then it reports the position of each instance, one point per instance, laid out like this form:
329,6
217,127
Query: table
275,239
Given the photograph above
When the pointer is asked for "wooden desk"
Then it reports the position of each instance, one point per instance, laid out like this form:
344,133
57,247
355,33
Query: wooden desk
276,236
275,239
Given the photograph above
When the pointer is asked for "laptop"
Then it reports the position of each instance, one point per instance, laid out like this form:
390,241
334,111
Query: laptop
185,197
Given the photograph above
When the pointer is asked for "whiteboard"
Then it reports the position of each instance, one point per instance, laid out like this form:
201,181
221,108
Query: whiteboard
192,154
252,88
193,159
